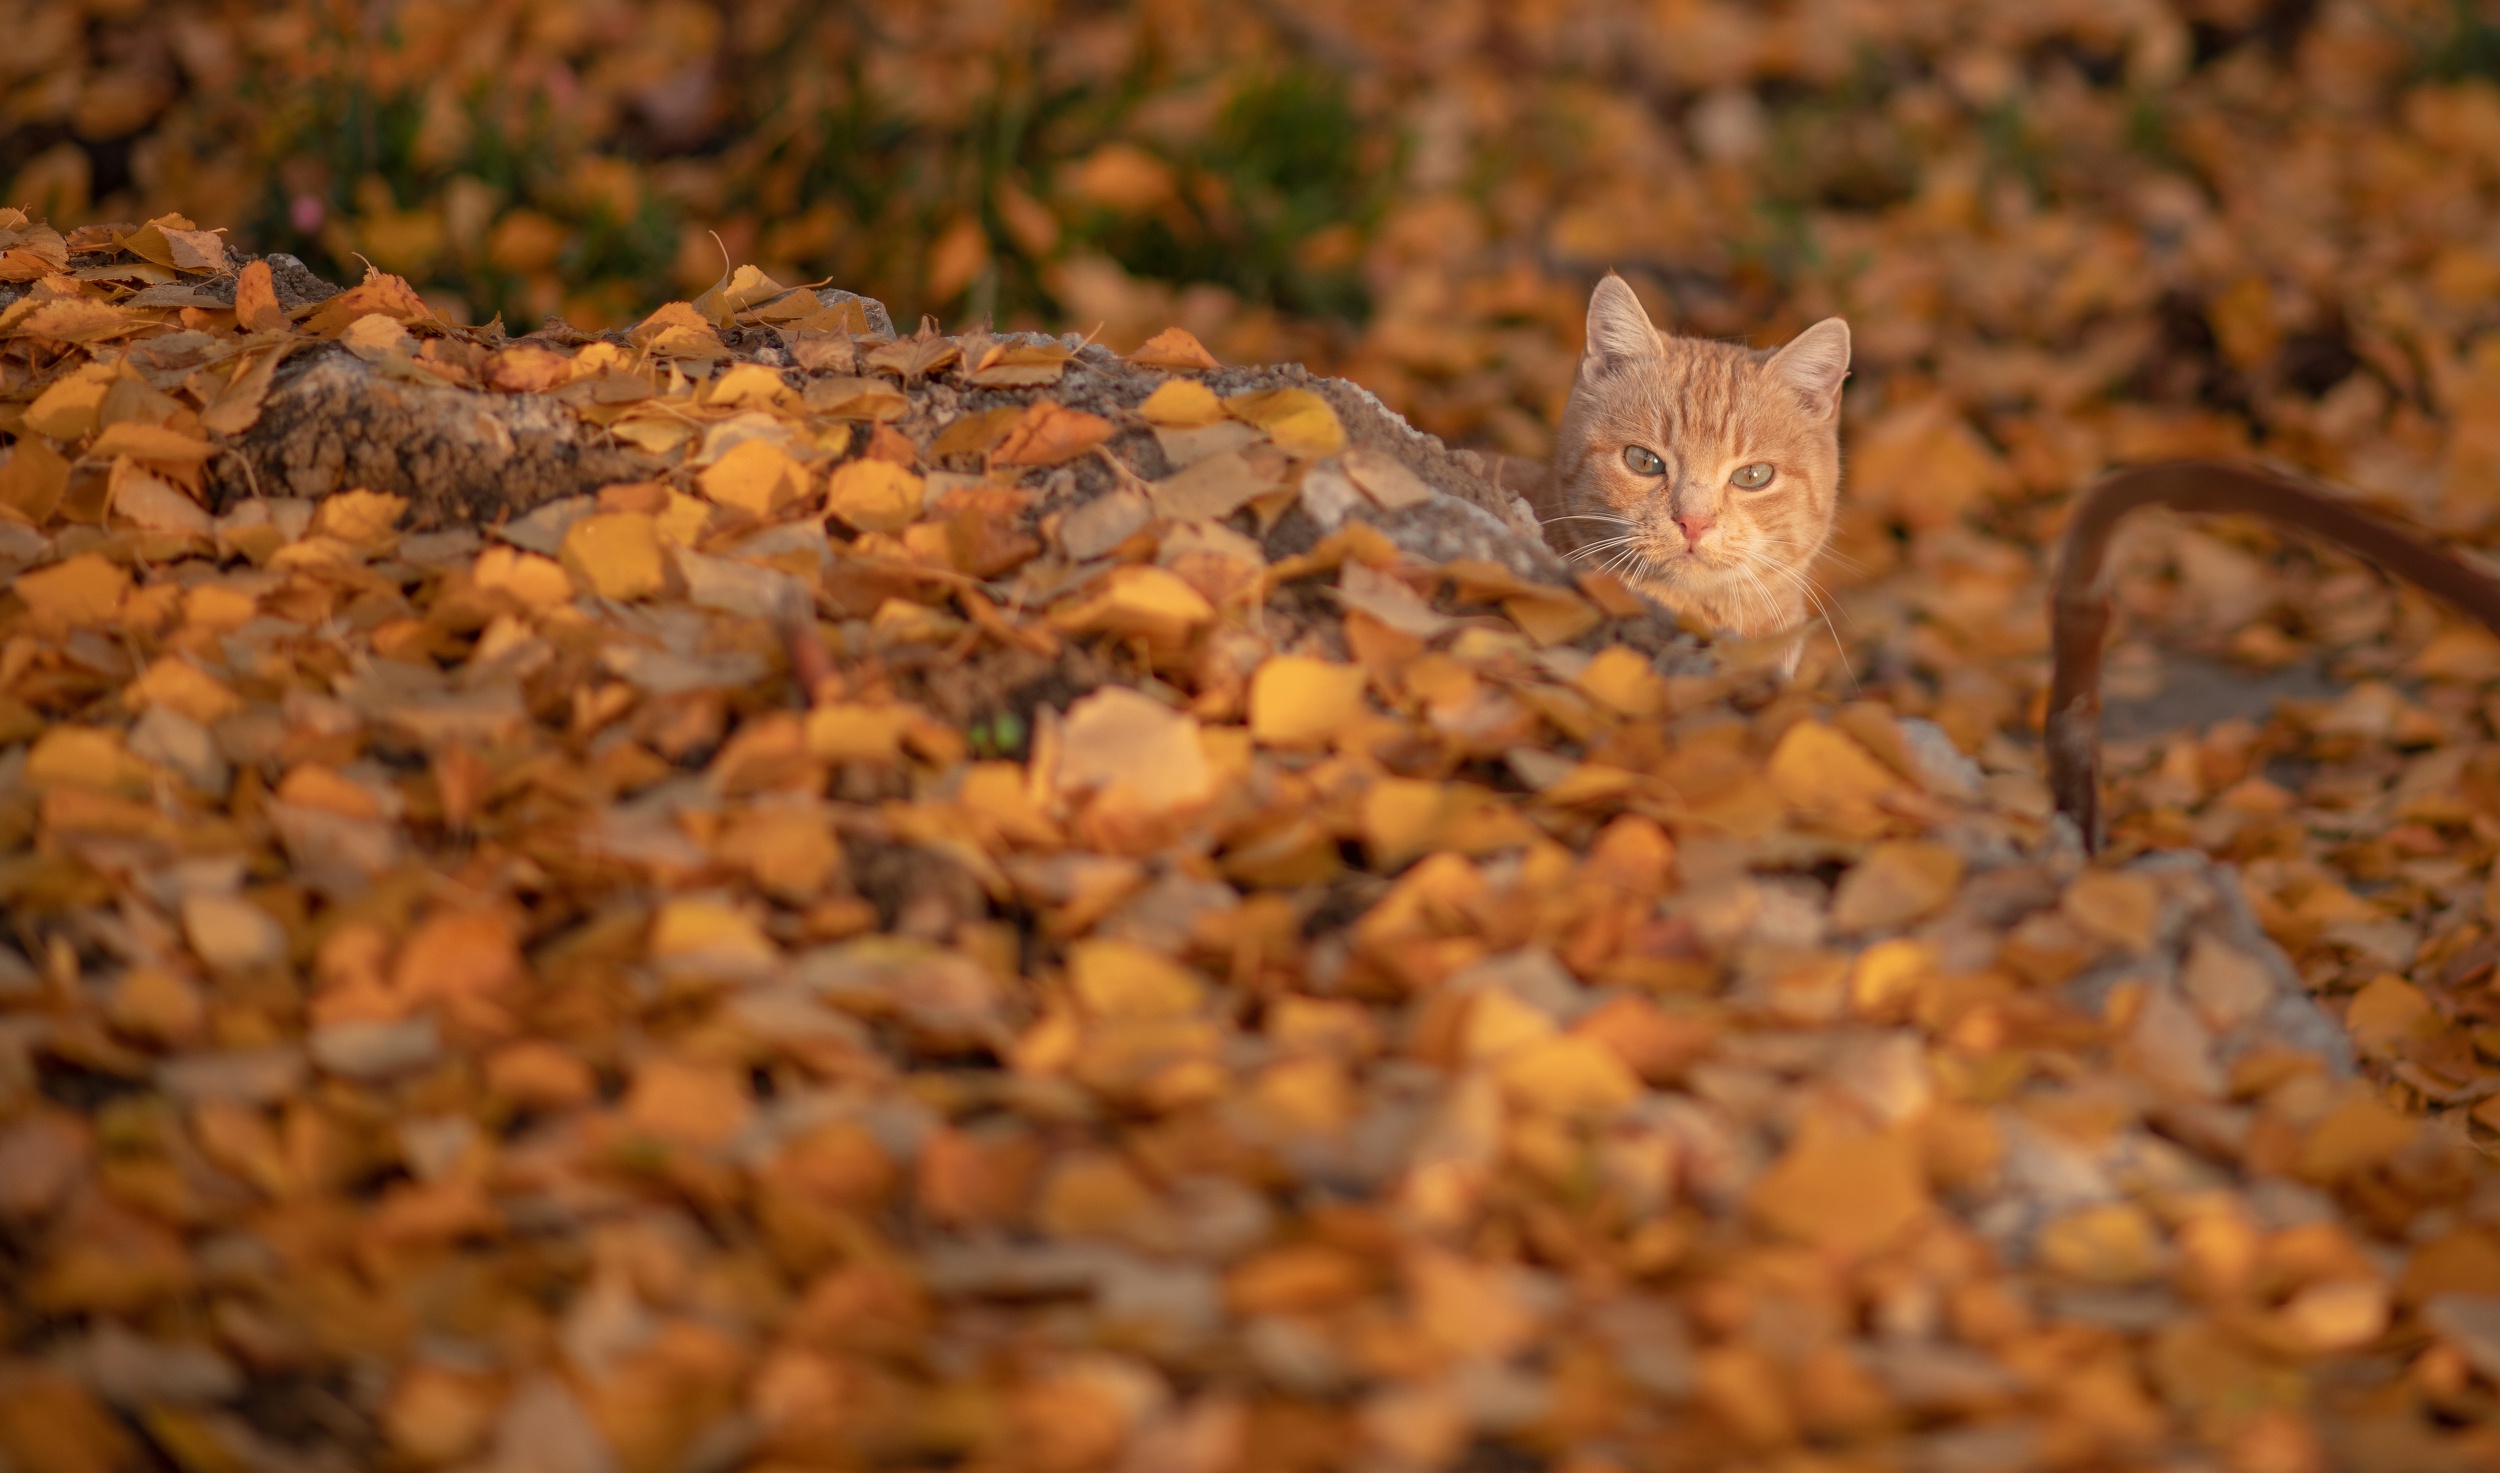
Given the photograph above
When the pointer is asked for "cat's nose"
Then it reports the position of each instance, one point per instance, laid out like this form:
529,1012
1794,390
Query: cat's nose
1696,523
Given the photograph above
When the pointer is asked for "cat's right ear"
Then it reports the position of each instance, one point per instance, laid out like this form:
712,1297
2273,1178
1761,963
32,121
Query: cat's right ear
1619,330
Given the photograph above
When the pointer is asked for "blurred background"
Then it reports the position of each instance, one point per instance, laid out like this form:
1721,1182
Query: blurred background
2067,233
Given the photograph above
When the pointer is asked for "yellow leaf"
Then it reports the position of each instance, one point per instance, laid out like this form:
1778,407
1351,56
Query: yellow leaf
1403,817
1119,979
747,386
699,1105
256,306
2117,907
150,442
71,320
2388,1012
1568,1075
713,930
86,757
68,409
1498,1021
145,501
312,785
1816,768
1298,420
1181,403
1131,750
2361,1133
1174,348
538,582
2115,1243
1296,700
616,554
1552,615
367,519
756,477
1842,1188
680,335
33,480
1152,602
734,293
1095,1194
875,495
83,590
528,368
1622,681
844,732
178,685
1922,465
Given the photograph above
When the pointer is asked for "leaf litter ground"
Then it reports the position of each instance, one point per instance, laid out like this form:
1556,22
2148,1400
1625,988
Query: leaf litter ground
924,901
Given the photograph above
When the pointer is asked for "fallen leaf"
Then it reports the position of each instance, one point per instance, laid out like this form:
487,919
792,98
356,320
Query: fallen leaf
1174,348
1298,420
1050,433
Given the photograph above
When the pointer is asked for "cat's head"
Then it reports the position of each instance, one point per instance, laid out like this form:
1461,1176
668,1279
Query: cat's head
1705,472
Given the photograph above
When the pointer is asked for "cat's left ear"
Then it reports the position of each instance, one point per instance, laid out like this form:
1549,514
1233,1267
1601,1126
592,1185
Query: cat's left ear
1814,363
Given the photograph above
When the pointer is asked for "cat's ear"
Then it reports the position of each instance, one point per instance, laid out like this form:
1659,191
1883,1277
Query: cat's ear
1619,330
1814,363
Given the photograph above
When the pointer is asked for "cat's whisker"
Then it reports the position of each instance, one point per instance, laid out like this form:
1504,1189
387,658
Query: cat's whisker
1591,549
1815,599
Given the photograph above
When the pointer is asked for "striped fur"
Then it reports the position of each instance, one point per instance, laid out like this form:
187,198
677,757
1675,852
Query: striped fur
1706,408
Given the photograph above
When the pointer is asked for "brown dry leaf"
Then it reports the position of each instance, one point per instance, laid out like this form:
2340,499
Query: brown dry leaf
855,398
380,293
237,405
32,481
1127,749
1174,348
256,306
1385,479
1210,489
1020,365
173,241
29,251
69,320
678,331
1051,433
1841,1188
915,357
1896,884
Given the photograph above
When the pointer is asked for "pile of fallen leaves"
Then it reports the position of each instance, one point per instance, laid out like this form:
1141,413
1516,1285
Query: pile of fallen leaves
965,901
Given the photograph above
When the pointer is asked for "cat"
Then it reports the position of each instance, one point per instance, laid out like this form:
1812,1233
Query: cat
1705,473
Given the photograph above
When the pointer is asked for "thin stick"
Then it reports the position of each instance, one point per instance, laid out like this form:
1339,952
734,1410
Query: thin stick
2079,602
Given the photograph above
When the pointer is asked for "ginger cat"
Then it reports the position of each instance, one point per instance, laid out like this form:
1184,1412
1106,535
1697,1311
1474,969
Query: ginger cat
1705,473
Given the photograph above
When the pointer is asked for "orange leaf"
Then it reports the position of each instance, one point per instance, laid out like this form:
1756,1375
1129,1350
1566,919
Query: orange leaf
1050,433
256,306
379,293
1174,347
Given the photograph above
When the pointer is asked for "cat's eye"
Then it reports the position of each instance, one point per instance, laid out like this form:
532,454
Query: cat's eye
1752,477
1643,461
